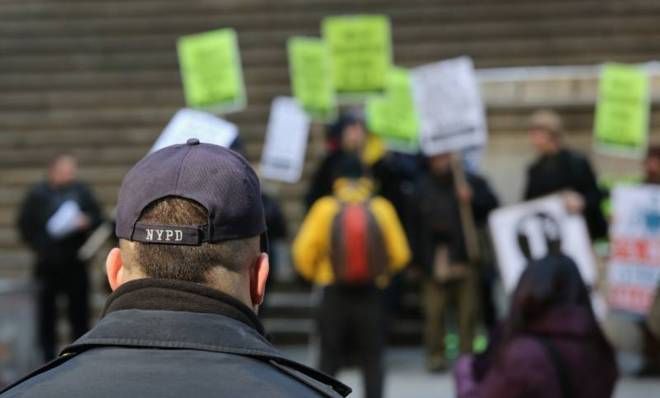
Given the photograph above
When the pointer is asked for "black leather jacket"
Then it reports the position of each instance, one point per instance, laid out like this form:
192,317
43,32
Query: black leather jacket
163,338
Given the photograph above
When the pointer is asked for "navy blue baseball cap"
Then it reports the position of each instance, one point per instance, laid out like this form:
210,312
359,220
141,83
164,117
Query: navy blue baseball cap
217,178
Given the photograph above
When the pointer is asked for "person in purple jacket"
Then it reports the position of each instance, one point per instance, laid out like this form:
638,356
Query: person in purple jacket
549,347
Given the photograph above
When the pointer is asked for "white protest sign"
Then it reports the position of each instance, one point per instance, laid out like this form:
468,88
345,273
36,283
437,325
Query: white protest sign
447,98
65,220
538,227
634,268
189,123
286,141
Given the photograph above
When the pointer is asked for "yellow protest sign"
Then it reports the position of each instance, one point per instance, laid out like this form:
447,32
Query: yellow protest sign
622,111
211,70
360,51
311,81
393,116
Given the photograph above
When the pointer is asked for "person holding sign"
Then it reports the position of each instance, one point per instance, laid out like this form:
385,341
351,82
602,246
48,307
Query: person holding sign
558,169
440,248
56,218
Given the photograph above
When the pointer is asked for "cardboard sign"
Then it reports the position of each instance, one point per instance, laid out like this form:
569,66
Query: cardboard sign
451,112
189,123
393,116
622,111
361,52
211,71
532,230
286,141
634,268
311,80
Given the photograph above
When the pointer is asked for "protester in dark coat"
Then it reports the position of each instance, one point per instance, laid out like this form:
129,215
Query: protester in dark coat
58,270
551,345
438,239
559,169
436,212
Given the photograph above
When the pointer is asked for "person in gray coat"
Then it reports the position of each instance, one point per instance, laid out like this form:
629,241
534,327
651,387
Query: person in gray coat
187,278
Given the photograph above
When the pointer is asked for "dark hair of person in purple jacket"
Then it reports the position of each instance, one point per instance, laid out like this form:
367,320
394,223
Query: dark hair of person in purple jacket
550,345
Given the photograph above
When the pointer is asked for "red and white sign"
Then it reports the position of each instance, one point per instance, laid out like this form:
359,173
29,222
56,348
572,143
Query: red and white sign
634,268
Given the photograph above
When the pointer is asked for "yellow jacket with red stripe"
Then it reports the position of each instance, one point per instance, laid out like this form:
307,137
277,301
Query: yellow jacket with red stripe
311,248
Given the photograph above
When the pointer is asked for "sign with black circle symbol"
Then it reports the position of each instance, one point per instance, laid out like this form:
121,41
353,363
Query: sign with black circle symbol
534,229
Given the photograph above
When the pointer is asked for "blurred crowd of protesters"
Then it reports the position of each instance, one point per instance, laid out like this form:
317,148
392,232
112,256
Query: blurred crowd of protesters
550,335
371,213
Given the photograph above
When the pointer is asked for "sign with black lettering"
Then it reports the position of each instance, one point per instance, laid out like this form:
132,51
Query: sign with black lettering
534,229
360,52
451,112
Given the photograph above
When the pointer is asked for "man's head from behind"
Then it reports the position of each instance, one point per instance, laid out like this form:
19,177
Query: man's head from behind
192,213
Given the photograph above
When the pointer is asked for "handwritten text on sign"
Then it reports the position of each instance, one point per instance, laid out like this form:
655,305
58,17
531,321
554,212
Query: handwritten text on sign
634,270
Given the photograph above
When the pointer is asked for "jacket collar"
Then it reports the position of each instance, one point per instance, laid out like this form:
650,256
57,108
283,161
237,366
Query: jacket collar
165,314
173,295
154,313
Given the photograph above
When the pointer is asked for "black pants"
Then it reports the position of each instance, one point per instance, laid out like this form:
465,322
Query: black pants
70,281
351,327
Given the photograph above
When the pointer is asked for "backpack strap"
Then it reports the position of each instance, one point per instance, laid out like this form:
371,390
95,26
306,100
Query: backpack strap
559,364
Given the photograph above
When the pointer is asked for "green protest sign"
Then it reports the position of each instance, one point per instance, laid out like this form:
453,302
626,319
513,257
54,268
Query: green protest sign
622,111
361,52
309,67
211,70
393,116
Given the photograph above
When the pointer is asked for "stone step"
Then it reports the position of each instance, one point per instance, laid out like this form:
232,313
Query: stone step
519,49
122,37
487,10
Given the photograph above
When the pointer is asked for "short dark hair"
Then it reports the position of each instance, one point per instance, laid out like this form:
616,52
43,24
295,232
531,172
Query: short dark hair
549,283
350,166
182,262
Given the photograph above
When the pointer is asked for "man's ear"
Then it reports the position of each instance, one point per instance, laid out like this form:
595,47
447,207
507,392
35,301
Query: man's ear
258,277
114,268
